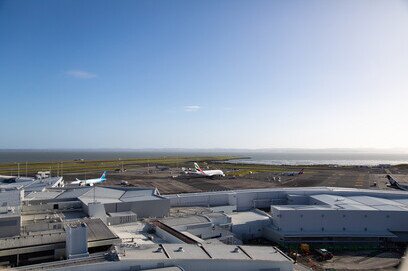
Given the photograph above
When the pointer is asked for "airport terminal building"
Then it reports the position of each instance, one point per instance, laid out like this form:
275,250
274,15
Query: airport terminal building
117,228
336,217
339,220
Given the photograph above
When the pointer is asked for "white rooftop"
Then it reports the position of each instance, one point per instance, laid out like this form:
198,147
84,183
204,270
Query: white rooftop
368,203
265,253
225,252
244,217
181,251
187,220
206,251
97,193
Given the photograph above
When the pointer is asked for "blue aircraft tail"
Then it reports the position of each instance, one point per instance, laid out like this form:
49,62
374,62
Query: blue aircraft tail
103,177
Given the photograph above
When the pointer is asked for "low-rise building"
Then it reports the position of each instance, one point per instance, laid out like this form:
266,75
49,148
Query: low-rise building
179,257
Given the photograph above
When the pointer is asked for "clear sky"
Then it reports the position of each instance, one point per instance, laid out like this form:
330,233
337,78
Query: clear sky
203,74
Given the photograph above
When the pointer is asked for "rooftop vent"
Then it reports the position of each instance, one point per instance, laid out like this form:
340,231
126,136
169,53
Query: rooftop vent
180,249
236,250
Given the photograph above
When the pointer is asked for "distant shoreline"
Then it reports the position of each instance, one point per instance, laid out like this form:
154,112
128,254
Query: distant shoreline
262,158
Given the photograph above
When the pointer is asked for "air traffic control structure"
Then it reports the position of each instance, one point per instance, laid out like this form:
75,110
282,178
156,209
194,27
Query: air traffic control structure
122,228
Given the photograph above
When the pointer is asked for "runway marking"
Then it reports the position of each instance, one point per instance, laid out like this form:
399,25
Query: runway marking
359,182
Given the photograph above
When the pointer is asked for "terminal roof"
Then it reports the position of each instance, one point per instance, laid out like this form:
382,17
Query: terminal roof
225,252
101,194
206,251
188,220
245,217
180,251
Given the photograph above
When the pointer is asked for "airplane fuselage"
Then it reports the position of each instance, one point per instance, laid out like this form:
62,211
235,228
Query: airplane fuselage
87,182
292,173
90,182
199,173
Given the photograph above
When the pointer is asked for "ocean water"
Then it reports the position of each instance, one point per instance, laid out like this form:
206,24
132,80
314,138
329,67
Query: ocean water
251,157
300,158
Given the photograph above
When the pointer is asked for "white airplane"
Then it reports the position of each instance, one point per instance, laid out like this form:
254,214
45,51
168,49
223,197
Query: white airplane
90,182
394,184
199,173
292,173
209,173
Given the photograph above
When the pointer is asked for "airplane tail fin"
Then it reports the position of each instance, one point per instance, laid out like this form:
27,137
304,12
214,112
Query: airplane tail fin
301,171
103,177
197,167
391,180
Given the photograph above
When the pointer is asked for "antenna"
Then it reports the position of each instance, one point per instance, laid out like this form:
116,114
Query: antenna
18,169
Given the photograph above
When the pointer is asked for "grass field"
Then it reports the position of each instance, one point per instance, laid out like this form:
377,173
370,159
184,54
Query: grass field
245,169
82,166
65,167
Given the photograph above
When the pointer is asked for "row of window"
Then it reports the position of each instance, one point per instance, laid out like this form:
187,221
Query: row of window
301,216
344,229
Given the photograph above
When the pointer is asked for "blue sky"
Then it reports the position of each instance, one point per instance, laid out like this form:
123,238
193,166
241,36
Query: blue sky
203,74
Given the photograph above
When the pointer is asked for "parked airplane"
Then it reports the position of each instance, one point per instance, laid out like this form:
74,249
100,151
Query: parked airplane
292,173
209,173
394,184
13,179
90,182
197,172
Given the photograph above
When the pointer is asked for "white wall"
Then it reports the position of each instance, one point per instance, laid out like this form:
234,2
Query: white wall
186,264
348,221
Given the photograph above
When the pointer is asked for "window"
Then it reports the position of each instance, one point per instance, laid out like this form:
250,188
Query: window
8,223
